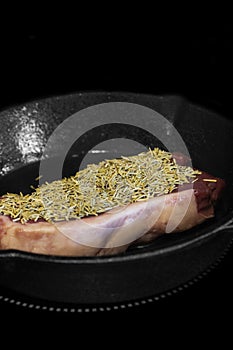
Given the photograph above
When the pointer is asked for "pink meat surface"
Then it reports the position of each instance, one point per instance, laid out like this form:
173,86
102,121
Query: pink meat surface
143,221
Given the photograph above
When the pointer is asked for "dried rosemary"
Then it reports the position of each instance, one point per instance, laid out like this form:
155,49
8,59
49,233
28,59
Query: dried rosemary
100,187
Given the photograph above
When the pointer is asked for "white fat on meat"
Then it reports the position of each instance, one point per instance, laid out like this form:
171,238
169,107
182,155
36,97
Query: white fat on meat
109,233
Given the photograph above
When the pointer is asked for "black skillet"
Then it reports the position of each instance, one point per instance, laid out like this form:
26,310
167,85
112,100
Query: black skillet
141,272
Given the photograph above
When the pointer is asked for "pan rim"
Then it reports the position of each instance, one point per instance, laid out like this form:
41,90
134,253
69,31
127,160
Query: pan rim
199,104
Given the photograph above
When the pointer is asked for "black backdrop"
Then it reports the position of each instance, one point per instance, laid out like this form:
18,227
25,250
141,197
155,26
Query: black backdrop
194,60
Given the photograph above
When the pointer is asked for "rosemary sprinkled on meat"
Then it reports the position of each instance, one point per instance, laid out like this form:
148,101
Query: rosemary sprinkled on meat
100,187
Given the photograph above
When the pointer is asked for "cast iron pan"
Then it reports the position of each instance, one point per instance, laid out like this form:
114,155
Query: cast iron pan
143,271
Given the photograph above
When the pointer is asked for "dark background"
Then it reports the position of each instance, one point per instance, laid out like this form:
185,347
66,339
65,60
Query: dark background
194,59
